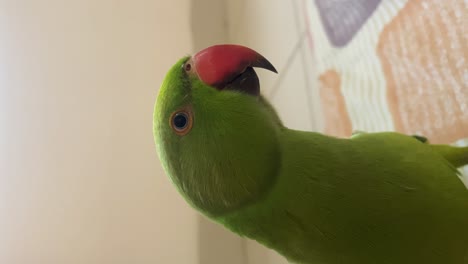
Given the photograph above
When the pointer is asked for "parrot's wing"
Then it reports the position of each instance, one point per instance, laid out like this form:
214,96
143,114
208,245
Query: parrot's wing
356,133
421,138
463,170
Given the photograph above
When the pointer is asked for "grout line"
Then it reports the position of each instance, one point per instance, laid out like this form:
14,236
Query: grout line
286,67
307,71
305,15
317,106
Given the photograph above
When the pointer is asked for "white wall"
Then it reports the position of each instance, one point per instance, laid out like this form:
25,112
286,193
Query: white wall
80,181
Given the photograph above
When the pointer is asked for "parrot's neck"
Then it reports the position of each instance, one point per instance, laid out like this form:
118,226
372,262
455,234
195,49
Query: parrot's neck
279,216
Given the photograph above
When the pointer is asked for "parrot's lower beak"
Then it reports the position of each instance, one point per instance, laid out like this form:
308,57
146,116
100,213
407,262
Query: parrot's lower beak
229,67
245,82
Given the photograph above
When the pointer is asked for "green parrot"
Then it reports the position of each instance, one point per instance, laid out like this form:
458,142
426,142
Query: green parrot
384,197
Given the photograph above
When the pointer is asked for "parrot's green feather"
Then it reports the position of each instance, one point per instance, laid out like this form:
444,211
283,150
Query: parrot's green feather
457,156
216,167
354,205
373,198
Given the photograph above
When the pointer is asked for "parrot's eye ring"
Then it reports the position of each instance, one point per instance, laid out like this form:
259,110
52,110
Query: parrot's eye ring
181,122
187,66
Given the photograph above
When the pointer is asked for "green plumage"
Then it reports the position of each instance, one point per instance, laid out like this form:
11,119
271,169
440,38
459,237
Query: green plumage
374,198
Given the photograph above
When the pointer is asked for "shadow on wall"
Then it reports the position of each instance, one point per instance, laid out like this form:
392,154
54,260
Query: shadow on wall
215,243
218,245
209,23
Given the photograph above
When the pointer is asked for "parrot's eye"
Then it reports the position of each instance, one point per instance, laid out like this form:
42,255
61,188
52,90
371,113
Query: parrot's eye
181,122
187,67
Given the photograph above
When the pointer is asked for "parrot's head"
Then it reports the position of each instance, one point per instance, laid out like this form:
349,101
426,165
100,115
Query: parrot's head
216,136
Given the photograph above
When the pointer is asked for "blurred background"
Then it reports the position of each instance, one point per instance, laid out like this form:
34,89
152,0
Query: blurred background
80,181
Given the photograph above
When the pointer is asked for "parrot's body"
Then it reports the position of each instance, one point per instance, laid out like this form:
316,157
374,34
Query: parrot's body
373,198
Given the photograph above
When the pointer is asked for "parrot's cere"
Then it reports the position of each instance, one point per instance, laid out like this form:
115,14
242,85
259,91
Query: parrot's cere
384,198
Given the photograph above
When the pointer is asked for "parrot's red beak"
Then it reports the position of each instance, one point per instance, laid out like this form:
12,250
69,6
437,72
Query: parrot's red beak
229,67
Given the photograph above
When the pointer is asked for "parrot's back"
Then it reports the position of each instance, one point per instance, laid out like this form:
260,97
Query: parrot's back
375,198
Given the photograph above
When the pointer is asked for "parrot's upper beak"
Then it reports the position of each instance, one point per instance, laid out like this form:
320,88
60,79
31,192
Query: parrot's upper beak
229,67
